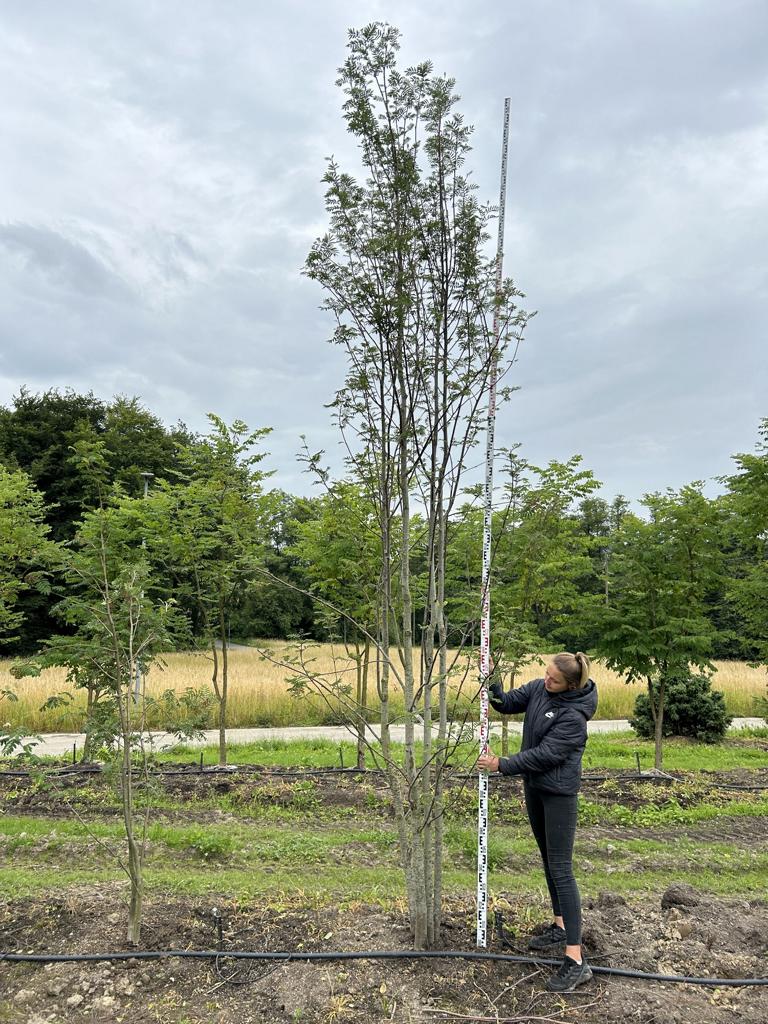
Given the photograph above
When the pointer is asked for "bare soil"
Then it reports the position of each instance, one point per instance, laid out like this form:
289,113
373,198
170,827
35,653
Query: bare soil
691,934
680,931
255,786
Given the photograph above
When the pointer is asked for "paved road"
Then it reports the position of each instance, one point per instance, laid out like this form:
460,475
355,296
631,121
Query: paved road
61,743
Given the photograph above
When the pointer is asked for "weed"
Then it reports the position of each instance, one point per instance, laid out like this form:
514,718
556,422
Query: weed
304,797
338,1007
464,842
210,844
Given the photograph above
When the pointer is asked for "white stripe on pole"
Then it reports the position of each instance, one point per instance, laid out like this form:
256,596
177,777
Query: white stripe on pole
485,622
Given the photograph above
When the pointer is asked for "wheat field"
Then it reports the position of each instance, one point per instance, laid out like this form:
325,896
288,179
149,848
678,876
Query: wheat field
259,695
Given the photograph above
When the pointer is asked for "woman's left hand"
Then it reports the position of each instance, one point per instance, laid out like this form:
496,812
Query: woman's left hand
488,762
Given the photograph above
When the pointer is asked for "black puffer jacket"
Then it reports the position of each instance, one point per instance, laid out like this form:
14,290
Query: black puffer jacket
554,735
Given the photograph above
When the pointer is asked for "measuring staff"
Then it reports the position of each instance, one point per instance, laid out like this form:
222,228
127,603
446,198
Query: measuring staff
557,709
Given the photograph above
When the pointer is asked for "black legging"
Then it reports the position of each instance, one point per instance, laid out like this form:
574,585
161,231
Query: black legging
553,822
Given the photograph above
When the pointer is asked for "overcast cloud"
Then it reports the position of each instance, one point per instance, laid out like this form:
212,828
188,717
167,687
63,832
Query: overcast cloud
160,187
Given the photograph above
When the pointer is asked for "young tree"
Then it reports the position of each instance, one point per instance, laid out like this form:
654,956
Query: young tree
661,570
209,531
541,560
413,294
116,627
339,551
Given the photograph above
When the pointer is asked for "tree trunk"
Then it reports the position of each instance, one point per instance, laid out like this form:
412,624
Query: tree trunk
442,737
135,859
658,726
88,744
223,688
362,700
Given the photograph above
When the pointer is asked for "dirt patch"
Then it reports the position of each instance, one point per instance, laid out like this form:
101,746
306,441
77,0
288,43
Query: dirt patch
692,934
251,789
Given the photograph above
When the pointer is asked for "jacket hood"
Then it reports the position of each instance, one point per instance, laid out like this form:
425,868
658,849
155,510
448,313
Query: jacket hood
583,700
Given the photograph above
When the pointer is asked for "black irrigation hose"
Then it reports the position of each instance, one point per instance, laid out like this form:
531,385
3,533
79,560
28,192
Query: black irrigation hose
193,771
399,954
188,771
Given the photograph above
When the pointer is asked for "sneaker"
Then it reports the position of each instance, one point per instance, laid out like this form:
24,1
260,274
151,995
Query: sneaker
569,976
553,935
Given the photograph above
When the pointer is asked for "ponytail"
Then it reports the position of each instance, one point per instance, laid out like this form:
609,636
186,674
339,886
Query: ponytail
575,668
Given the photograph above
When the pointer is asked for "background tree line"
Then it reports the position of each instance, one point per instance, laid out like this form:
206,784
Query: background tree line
562,553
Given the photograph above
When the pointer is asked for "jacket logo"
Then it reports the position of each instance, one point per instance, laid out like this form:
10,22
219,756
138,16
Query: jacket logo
550,714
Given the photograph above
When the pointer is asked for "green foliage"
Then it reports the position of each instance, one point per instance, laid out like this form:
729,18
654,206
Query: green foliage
36,436
14,742
208,843
26,553
669,812
747,503
652,624
339,549
49,480
115,621
542,556
300,796
691,708
39,435
208,531
186,716
279,606
304,797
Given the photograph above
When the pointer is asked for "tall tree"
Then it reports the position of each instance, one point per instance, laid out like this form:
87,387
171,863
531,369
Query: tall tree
37,436
412,291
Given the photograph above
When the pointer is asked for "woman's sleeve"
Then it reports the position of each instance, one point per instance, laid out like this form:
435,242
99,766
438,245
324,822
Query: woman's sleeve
563,738
515,701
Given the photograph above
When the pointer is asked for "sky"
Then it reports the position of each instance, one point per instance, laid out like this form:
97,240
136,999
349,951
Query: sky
160,187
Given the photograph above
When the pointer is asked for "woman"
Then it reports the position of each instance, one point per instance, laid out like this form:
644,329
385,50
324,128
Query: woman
557,709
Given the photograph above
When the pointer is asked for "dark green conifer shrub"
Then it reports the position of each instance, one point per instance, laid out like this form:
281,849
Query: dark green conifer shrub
691,708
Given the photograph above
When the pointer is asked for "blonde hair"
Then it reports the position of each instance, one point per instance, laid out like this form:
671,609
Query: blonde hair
575,668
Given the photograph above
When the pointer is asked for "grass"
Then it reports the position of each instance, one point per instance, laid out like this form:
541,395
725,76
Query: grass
343,886
261,848
259,694
310,753
359,862
617,750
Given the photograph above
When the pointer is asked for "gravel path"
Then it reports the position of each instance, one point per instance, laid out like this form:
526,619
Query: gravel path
60,743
